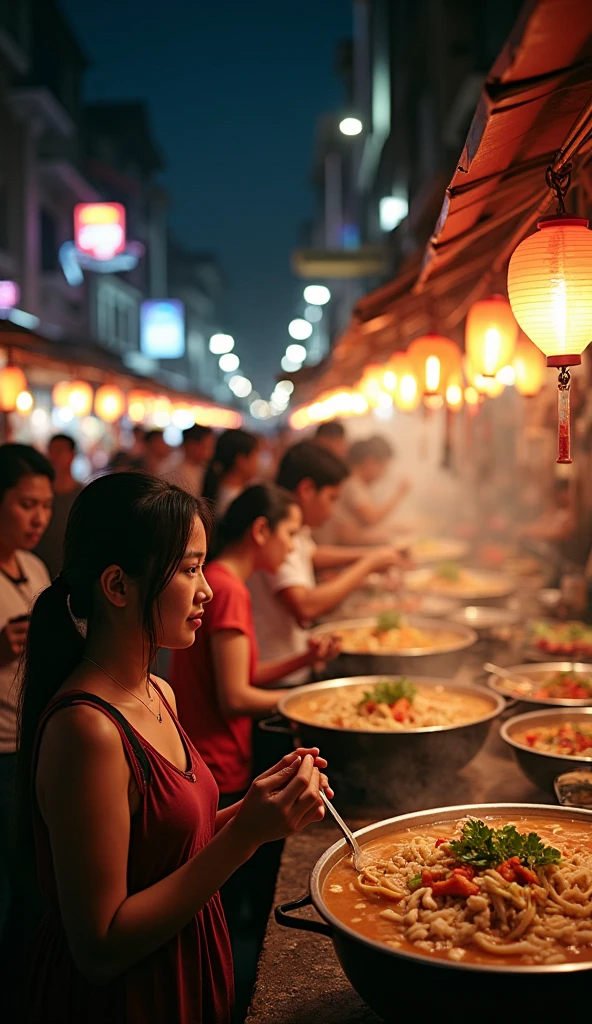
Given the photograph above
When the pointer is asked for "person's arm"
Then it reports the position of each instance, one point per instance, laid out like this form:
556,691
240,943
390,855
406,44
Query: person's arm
370,513
231,659
328,556
307,603
320,649
84,777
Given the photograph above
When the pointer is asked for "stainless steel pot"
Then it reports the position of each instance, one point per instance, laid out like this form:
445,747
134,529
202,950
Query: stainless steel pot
393,980
443,661
494,589
541,768
537,673
398,770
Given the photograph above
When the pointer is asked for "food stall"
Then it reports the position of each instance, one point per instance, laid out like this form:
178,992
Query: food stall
336,949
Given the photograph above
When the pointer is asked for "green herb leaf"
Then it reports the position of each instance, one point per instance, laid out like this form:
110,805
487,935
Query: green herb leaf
414,883
389,691
485,847
388,620
449,571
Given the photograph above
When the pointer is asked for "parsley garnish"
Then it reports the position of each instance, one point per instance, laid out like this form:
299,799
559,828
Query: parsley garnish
449,571
389,691
414,883
485,847
387,621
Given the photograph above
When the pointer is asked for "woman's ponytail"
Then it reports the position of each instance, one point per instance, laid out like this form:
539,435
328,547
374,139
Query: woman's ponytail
54,649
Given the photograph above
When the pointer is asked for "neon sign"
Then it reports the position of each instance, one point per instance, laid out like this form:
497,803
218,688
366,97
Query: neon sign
99,229
10,293
99,244
162,328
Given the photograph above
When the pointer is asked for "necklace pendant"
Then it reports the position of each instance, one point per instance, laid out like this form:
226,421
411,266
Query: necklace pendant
159,717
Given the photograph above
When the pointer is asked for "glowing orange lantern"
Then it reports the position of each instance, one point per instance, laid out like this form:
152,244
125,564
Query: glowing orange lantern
529,368
491,333
549,284
491,387
61,393
162,410
80,397
24,403
407,392
139,405
109,403
433,358
12,382
454,392
372,386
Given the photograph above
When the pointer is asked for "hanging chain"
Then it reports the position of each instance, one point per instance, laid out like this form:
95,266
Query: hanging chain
559,182
564,379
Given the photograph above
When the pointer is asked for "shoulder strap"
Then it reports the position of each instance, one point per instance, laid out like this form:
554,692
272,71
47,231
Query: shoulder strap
81,696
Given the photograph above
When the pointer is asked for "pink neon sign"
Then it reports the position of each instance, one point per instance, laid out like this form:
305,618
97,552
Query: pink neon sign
99,229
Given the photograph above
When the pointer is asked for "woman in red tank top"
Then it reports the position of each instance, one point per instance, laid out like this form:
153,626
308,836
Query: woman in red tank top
130,846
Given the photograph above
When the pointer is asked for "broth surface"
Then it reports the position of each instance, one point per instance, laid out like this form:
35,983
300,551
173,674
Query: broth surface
362,910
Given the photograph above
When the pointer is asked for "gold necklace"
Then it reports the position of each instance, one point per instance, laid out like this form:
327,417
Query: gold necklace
158,716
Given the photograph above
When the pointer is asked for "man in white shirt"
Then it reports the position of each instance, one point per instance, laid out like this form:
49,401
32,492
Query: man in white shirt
359,517
198,450
288,601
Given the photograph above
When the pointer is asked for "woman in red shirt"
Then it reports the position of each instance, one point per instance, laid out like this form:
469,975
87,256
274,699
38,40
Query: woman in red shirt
219,683
131,846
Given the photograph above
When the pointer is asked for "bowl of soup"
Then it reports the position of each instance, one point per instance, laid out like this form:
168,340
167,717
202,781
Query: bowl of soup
547,743
474,586
456,903
393,741
395,642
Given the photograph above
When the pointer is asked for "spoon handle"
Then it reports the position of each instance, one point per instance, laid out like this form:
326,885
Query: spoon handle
353,842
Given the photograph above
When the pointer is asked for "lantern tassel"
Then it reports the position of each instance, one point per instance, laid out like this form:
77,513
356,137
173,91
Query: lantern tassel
563,413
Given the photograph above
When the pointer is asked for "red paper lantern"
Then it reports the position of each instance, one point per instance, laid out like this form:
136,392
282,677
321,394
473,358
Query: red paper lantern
434,359
109,403
12,382
491,333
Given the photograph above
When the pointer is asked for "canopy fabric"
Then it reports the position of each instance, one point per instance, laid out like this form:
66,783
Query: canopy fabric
535,110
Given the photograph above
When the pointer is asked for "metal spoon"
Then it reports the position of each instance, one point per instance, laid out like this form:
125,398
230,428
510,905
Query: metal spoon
358,856
574,789
503,673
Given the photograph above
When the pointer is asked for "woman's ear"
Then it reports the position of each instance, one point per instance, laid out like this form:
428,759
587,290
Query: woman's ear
115,586
260,531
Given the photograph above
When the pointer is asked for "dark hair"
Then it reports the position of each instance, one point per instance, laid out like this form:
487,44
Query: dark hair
332,429
151,435
196,433
371,448
127,519
229,445
63,437
19,460
262,500
307,461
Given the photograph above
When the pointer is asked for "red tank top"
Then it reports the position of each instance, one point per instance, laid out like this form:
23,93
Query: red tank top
188,980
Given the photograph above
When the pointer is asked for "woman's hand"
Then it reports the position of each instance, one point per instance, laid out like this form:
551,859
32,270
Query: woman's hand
284,799
323,648
12,640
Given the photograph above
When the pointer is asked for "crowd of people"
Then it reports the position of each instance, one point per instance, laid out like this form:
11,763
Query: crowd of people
128,802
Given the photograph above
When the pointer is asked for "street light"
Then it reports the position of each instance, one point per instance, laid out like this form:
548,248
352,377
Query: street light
299,329
229,362
221,343
285,385
260,409
296,353
316,294
313,314
350,126
240,386
288,365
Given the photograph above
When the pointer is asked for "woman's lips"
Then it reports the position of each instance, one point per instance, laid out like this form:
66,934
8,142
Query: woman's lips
196,620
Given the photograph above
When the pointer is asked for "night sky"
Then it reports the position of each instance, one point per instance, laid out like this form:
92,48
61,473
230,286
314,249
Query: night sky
234,90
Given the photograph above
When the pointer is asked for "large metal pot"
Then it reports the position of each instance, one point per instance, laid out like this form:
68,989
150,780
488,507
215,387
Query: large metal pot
536,673
444,660
398,770
494,587
392,980
541,768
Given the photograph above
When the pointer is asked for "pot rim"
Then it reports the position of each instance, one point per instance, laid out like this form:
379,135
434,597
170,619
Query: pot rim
331,684
427,817
417,580
531,716
466,636
496,683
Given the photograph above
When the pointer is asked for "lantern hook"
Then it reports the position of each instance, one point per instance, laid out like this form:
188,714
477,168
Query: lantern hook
559,182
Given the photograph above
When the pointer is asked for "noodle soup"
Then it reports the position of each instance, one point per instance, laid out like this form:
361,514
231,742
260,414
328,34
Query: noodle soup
499,891
391,705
